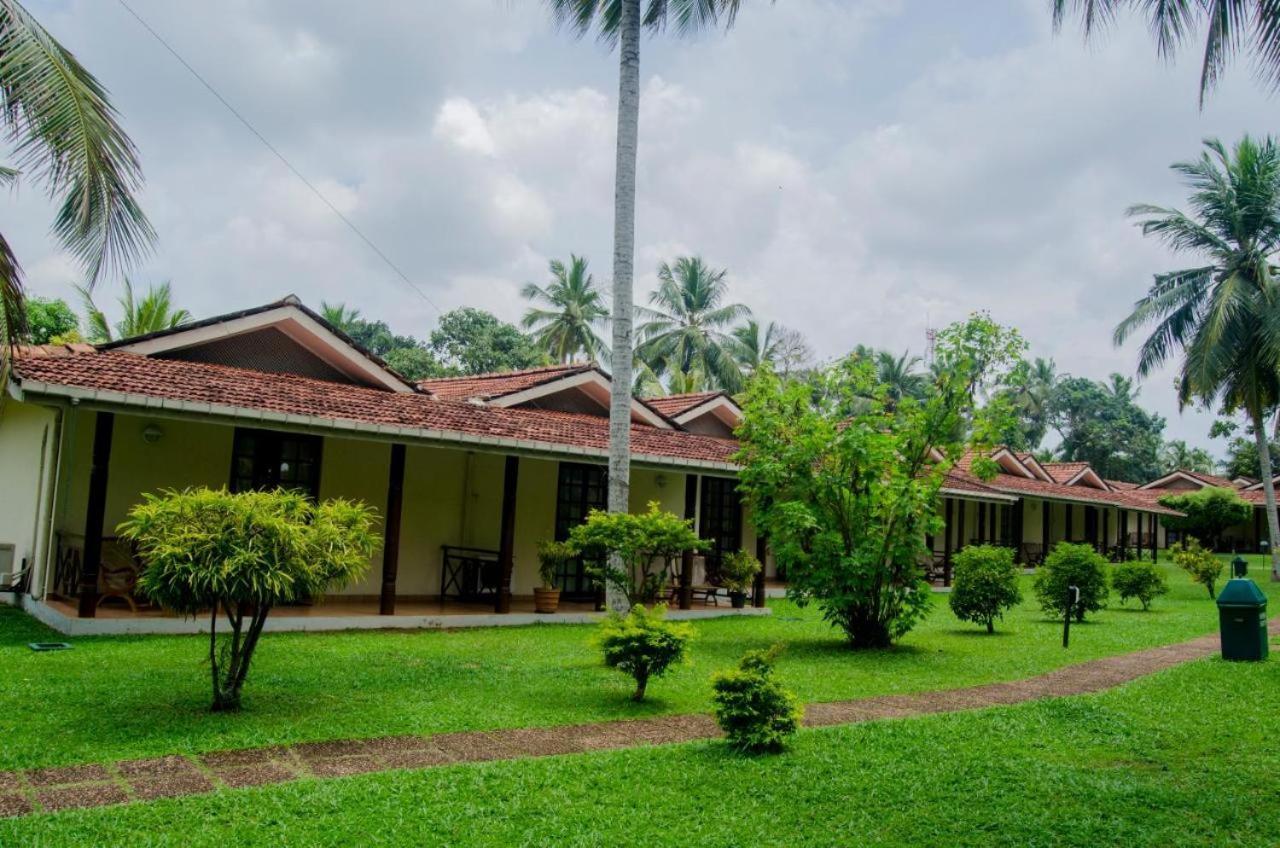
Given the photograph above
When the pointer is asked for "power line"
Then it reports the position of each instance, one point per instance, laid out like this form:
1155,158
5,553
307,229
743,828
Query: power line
276,152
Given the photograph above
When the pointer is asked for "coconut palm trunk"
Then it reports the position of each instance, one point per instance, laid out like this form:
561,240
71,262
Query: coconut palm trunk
624,244
1268,487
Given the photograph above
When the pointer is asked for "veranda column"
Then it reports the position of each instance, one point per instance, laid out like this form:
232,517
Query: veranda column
982,522
1067,508
95,514
1019,528
686,558
1124,533
947,530
1044,528
762,552
507,537
1155,556
391,531
1106,528
960,510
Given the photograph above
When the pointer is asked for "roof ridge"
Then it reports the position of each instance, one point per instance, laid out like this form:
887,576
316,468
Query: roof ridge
493,375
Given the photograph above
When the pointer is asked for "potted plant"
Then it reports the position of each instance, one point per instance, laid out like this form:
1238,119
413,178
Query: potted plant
552,556
738,571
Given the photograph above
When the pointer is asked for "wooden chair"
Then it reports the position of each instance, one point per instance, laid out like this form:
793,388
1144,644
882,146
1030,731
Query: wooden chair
118,574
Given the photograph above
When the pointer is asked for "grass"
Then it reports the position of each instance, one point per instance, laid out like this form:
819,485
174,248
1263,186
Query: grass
119,697
1186,757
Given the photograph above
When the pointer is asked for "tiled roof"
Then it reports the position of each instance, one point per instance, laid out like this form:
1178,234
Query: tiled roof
673,405
488,386
1080,494
1121,485
1064,471
86,368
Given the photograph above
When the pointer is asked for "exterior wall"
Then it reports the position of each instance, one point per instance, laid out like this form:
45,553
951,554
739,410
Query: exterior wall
26,453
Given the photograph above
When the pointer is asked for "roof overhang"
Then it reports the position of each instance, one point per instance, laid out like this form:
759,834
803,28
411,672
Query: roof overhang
1088,478
721,406
590,382
1171,477
1011,464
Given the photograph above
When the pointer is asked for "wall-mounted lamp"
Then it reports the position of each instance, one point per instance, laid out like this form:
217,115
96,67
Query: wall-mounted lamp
152,433
661,481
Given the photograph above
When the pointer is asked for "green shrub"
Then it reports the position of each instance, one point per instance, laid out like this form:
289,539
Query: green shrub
643,644
1140,580
240,555
552,556
984,584
634,553
738,571
1072,565
1202,565
755,712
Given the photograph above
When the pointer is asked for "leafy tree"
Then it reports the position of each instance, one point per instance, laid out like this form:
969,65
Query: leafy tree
1224,316
1242,451
405,355
985,584
643,644
153,312
847,499
1203,566
1072,565
1141,580
782,348
690,328
1178,454
755,712
1107,429
619,22
65,133
900,375
50,320
1206,513
635,551
414,363
565,326
1232,26
241,555
472,341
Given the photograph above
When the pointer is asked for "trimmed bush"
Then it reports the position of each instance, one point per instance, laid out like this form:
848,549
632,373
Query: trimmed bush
643,644
1140,580
1072,565
755,712
644,545
738,571
1202,565
984,584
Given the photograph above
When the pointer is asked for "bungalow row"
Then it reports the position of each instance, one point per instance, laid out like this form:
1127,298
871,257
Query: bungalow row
469,473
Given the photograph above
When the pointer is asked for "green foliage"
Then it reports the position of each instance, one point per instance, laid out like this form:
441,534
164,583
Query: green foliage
243,554
1203,567
1242,451
634,552
1207,513
1101,424
1072,565
841,475
414,363
552,557
572,310
738,570
472,341
150,313
405,355
50,320
1137,579
643,644
1177,454
755,712
984,584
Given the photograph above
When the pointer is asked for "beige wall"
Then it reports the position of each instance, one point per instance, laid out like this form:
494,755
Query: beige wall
26,451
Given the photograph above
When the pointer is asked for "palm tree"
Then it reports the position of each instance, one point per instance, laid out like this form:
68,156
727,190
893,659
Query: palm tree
780,347
691,329
66,135
1178,454
339,315
1120,388
1031,398
1224,315
150,314
568,327
619,22
900,376
1231,26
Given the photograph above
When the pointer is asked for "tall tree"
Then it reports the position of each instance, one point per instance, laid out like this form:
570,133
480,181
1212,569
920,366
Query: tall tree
65,134
900,376
619,23
1118,438
1231,27
152,312
50,321
1224,316
690,328
572,307
1177,454
1031,391
780,347
472,341
340,315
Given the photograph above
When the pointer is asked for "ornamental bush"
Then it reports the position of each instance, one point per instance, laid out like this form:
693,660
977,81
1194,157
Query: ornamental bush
984,584
738,571
755,712
1072,565
643,644
241,555
634,553
1140,580
1202,565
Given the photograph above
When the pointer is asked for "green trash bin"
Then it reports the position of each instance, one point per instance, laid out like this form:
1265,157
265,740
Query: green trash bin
1242,619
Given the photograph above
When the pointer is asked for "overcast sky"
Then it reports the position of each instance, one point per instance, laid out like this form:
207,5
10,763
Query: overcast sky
862,169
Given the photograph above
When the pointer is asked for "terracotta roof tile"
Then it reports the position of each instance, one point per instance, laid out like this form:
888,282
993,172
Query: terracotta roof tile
1064,471
204,383
497,384
673,405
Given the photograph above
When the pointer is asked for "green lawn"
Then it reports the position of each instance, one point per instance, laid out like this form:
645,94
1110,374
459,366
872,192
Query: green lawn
1185,757
118,697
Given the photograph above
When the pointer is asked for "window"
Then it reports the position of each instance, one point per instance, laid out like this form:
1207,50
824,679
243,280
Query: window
580,489
265,459
720,519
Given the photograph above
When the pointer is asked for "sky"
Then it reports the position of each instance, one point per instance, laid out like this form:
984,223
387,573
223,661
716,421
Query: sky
864,169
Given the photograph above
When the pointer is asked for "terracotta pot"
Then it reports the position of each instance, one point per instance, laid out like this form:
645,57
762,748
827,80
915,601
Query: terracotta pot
546,600
738,600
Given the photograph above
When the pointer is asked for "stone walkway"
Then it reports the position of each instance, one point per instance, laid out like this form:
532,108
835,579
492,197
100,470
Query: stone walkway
94,785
